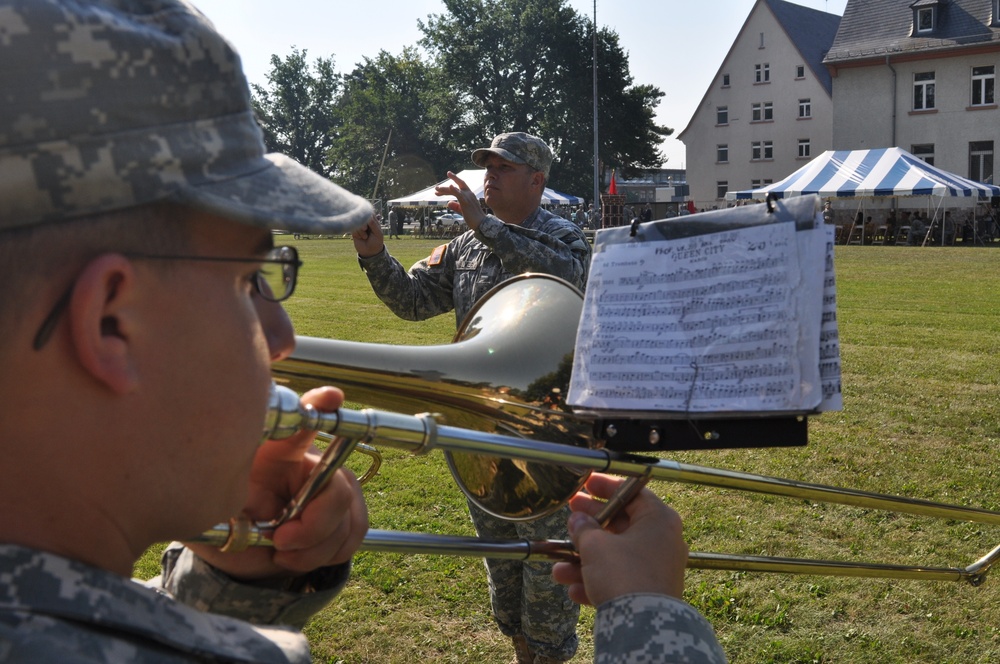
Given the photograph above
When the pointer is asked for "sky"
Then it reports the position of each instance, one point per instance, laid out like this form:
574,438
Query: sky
676,45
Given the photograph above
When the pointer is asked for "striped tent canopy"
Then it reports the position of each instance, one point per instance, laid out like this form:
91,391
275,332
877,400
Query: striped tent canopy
868,173
473,178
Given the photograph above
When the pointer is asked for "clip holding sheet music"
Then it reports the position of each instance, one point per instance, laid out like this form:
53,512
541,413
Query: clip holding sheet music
726,316
770,201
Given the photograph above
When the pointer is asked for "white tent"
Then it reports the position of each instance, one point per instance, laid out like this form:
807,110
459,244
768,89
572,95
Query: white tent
473,178
869,173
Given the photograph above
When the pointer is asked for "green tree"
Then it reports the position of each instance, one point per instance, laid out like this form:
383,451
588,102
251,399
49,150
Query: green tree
525,65
404,95
296,110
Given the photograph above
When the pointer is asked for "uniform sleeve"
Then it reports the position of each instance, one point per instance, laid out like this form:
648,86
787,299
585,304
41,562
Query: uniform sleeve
653,628
562,252
423,292
192,581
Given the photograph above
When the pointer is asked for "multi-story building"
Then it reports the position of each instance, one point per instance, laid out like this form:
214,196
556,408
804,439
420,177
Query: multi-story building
919,75
663,190
769,109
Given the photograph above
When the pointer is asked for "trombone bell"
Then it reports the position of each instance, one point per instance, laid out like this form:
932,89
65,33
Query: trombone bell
506,372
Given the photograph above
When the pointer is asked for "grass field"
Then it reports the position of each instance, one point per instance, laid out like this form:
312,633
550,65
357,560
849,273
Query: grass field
920,338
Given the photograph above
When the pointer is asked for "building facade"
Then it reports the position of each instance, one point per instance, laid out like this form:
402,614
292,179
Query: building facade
769,108
664,191
919,75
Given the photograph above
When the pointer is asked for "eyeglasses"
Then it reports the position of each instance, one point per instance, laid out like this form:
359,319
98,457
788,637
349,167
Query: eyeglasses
274,281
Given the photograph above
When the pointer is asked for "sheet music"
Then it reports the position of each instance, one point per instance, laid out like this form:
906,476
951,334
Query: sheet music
714,323
829,335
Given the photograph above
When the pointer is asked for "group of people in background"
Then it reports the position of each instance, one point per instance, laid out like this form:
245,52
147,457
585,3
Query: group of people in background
912,227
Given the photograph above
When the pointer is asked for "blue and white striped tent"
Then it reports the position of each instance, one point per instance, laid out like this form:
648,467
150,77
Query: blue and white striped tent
869,173
474,178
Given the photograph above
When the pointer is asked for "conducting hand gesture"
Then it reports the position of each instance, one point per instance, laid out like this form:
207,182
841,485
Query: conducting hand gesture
466,203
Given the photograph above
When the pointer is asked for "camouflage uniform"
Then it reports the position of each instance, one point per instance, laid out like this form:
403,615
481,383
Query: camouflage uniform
57,610
653,628
524,597
476,261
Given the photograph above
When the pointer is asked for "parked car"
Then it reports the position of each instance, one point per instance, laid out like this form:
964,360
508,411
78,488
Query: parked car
450,219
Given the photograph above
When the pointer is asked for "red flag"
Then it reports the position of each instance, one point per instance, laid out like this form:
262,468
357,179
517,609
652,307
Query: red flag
613,188
691,207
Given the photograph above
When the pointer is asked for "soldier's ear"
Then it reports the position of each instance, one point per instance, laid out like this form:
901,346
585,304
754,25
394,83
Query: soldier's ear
102,315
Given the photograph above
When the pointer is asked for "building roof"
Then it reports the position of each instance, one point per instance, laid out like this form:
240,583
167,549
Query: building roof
878,28
811,32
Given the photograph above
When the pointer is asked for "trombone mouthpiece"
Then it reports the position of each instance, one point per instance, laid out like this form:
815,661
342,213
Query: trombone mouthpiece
286,415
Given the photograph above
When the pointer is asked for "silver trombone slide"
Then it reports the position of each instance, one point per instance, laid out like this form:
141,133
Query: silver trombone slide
389,541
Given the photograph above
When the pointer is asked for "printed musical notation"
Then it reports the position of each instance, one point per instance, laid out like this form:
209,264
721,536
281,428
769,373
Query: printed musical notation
734,321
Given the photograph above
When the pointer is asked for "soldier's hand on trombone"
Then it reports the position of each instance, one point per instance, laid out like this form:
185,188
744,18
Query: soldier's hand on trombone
327,532
641,550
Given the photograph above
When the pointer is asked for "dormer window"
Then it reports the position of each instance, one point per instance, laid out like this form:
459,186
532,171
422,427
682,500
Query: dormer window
926,15
925,19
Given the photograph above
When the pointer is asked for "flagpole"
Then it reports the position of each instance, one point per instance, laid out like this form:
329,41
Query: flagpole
384,153
597,183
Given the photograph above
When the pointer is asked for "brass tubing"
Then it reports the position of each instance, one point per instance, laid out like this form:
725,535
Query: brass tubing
396,430
420,433
388,541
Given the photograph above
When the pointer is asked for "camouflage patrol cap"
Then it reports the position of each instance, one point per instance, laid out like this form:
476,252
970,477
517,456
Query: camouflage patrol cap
520,148
109,104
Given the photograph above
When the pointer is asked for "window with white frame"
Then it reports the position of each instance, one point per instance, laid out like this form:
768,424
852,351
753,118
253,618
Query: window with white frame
805,147
755,184
800,71
924,152
983,80
805,108
923,91
924,19
722,115
721,187
761,150
981,161
725,80
762,112
762,73
722,153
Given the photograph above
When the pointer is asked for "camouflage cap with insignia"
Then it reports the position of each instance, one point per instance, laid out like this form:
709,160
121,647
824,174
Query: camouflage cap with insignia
110,104
520,148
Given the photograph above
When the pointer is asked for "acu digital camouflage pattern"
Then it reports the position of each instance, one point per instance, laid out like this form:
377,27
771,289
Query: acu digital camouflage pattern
653,628
111,104
524,597
520,148
57,610
476,261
